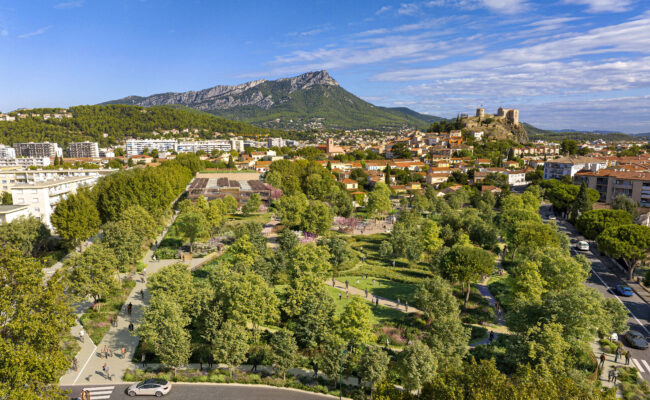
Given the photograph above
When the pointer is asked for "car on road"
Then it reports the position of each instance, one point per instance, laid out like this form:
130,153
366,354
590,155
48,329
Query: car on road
552,217
151,387
636,340
623,291
582,246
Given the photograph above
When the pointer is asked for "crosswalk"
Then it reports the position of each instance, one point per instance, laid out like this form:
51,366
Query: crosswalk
100,392
641,365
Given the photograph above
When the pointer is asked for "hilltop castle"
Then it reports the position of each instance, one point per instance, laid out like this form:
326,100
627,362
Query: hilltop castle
509,114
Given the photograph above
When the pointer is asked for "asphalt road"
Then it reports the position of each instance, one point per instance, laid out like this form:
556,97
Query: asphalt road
605,276
199,391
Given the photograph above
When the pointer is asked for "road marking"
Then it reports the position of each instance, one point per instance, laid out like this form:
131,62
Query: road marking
612,292
638,365
100,392
87,361
645,364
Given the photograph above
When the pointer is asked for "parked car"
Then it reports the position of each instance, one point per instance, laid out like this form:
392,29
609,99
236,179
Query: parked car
552,217
582,246
623,291
151,387
636,340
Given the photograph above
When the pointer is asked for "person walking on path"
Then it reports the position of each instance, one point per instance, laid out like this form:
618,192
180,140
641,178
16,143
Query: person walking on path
333,282
340,296
129,308
82,335
603,358
347,284
143,360
130,326
627,357
74,363
619,352
254,369
610,375
406,306
142,293
615,374
366,293
347,295
123,352
105,351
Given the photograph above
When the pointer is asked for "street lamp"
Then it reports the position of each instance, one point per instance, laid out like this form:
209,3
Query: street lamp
341,374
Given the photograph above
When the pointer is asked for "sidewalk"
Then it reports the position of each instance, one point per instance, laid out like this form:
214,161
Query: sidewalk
382,301
90,362
609,364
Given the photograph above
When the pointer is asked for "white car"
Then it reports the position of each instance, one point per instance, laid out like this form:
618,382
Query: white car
150,387
582,246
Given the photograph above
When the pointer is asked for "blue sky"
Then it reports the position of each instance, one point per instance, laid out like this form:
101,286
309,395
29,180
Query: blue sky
582,64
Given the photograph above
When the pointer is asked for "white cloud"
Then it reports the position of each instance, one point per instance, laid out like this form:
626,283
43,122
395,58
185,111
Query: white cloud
383,10
603,5
505,6
37,32
69,4
408,9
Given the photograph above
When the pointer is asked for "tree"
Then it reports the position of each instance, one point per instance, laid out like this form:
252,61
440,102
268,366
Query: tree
7,199
310,310
253,204
92,273
291,209
375,366
140,222
163,328
317,218
466,264
387,175
593,222
445,333
123,240
569,147
379,199
231,204
176,281
629,242
231,163
332,355
230,345
355,323
214,216
193,225
621,202
533,235
27,234
284,351
338,248
581,203
385,249
401,150
76,217
35,316
416,365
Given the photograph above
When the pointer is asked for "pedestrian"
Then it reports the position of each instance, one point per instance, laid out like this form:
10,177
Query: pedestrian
315,370
366,293
74,363
603,357
82,335
142,293
83,395
105,351
627,357
110,352
143,360
398,301
130,326
340,296
386,342
406,306
490,336
358,280
610,375
333,282
123,352
377,301
255,362
107,372
619,351
615,374
347,284
129,308
347,295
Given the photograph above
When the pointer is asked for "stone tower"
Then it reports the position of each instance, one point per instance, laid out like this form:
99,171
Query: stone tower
480,112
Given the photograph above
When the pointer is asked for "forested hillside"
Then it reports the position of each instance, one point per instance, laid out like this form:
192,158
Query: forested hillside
112,124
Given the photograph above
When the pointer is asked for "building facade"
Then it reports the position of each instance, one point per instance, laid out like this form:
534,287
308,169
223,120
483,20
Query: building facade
31,149
11,178
569,166
609,183
7,152
83,150
25,162
10,213
135,147
41,198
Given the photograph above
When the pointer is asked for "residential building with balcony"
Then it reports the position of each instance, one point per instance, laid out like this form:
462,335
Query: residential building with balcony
31,149
610,183
7,152
83,150
135,147
569,166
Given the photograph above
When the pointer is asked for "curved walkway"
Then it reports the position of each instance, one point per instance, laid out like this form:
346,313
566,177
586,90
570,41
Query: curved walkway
382,300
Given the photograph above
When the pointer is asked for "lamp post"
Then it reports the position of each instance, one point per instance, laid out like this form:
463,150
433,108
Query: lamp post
341,374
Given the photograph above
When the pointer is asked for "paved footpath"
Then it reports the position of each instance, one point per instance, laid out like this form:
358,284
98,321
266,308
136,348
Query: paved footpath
90,360
382,300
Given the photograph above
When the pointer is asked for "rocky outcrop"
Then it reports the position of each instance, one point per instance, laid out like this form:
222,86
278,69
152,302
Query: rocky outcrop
260,93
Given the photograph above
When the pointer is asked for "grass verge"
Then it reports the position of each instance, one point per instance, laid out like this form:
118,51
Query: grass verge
96,321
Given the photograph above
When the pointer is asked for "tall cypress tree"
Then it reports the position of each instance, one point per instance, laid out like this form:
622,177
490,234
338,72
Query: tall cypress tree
581,203
387,174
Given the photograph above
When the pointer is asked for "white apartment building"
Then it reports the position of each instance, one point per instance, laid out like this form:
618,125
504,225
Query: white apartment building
41,198
135,147
7,152
24,162
31,149
275,142
569,166
11,178
206,145
515,178
83,150
10,213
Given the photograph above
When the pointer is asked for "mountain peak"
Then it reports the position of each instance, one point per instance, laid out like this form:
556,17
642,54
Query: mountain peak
309,79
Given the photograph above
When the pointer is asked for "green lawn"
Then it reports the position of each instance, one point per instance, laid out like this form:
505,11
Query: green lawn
97,322
381,314
234,219
383,287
